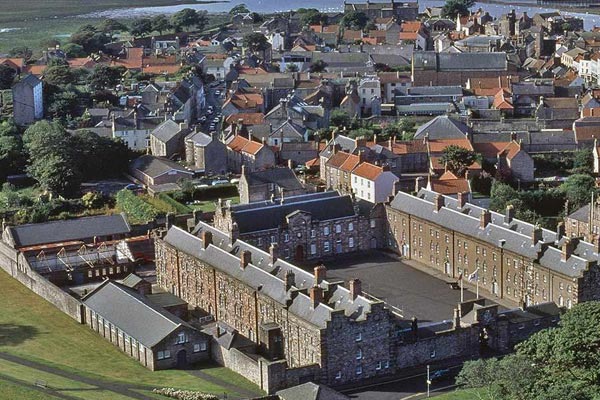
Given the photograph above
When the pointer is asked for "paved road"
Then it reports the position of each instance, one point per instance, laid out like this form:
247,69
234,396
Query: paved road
412,387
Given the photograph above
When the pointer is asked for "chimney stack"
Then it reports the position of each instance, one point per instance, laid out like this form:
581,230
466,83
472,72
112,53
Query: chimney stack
355,288
316,296
245,259
290,279
438,202
567,250
536,235
485,218
560,231
462,199
320,274
207,239
273,252
509,214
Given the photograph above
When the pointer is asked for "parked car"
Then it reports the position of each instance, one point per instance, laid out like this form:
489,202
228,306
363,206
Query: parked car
220,182
439,374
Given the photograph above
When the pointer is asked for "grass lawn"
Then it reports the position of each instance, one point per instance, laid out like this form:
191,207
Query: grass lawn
467,394
33,329
210,206
11,390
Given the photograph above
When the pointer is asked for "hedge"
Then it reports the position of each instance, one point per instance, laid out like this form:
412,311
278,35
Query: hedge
136,209
180,208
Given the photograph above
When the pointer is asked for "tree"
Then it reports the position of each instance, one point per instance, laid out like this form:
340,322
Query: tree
339,119
141,27
239,9
291,68
110,26
7,76
64,103
583,162
318,66
21,52
578,190
73,50
356,20
457,159
313,16
255,42
105,77
454,8
59,75
11,149
90,39
188,18
160,23
502,195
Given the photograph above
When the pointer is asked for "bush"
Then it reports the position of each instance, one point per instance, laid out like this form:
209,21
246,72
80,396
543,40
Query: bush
184,394
175,203
137,209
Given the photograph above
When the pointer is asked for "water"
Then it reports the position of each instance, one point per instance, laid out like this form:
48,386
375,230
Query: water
269,6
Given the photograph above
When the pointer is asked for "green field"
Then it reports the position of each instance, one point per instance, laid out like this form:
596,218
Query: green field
467,394
73,360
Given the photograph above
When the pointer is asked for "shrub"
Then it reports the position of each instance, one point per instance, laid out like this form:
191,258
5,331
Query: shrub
184,394
136,208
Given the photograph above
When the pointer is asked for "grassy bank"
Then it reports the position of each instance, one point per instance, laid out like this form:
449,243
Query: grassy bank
34,330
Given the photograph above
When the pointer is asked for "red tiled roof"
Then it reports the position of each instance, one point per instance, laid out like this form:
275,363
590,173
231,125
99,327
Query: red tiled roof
246,118
438,145
368,171
490,149
336,160
351,162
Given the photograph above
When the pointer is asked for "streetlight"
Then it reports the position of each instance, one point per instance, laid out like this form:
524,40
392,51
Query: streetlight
428,381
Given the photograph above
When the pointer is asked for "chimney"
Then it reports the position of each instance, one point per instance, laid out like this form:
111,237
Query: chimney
567,250
536,235
485,218
273,252
243,169
462,199
320,274
390,148
183,126
438,202
207,239
289,279
316,296
245,259
560,231
362,156
355,288
509,215
169,219
513,136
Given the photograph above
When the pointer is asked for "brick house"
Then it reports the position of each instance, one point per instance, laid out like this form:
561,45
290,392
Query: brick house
517,261
167,139
206,153
309,226
517,161
142,330
28,100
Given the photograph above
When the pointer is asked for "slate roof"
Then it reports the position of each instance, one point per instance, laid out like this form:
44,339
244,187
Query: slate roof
68,230
443,127
480,61
267,277
166,131
310,391
155,166
516,234
582,214
270,215
30,80
199,139
132,313
281,176
131,280
346,144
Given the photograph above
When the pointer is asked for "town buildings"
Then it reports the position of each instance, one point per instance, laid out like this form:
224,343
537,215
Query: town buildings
28,101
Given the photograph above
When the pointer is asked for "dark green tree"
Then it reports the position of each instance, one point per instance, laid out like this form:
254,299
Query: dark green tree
11,149
313,16
453,8
7,76
111,26
141,27
105,77
21,52
160,24
578,190
356,20
502,195
239,9
583,162
189,18
457,159
339,119
255,42
90,39
73,50
59,75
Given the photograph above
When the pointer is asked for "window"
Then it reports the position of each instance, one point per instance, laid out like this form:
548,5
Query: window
181,338
350,226
373,223
326,247
161,355
378,367
313,233
351,242
386,365
338,375
338,228
358,337
326,230
198,347
313,248
286,237
432,354
359,354
359,370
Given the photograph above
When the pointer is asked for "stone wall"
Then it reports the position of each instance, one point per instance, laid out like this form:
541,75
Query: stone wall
17,266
